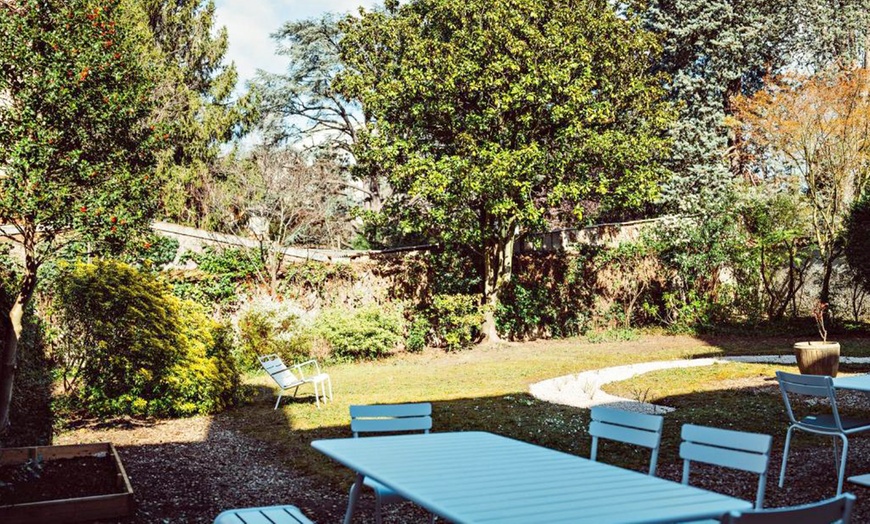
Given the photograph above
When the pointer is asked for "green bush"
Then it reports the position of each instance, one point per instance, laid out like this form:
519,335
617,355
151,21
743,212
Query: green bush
268,325
127,346
365,333
857,246
456,320
418,334
221,276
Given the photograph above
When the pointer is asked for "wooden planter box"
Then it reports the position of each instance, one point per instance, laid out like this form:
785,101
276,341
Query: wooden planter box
77,509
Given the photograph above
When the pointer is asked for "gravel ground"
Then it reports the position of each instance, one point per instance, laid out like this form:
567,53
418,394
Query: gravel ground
189,470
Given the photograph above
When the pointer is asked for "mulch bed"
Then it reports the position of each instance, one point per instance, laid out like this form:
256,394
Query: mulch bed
56,479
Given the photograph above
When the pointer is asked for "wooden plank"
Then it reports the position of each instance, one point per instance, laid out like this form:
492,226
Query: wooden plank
74,509
21,455
68,510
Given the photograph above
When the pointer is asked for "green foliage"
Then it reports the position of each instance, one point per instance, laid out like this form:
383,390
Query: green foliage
267,325
455,320
127,346
194,98
418,334
547,296
77,146
364,333
222,275
857,240
489,114
695,252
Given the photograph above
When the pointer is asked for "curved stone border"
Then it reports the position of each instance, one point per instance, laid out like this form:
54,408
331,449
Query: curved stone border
583,390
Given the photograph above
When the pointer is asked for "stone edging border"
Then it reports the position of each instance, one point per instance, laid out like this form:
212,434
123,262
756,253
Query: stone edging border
583,390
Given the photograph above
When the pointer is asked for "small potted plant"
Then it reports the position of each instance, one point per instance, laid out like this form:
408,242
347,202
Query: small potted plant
818,357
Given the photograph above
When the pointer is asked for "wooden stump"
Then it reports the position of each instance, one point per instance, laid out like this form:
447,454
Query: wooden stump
818,358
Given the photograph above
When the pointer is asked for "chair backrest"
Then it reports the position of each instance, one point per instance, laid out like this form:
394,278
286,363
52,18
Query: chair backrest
836,510
820,386
393,418
727,448
639,429
275,367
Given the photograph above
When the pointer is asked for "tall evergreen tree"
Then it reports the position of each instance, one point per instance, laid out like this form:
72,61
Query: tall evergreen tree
194,98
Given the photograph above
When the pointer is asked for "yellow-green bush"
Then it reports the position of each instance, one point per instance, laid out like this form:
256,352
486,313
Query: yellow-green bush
364,333
126,345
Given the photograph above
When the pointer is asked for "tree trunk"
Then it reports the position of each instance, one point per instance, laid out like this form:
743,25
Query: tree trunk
8,361
497,268
825,292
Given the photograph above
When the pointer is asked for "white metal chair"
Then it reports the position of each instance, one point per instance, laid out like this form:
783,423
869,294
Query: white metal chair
265,515
837,510
389,418
639,429
727,448
296,376
831,424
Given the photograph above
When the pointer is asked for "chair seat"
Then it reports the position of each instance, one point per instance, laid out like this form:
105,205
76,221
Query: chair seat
317,378
387,495
826,422
264,515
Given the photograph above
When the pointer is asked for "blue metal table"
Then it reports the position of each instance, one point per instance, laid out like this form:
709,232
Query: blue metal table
856,383
478,477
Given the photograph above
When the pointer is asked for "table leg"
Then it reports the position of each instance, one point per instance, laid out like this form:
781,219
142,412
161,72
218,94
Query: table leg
354,496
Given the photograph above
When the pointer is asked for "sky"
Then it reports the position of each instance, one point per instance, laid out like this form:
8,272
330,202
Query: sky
250,22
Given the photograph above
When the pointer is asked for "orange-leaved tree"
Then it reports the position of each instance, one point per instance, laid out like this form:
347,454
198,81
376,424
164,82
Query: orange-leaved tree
813,133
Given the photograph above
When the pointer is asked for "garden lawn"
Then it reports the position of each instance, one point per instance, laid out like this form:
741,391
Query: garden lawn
188,470
487,389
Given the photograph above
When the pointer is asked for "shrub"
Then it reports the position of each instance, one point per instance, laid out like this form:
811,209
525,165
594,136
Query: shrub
858,241
418,334
365,333
126,345
266,325
456,320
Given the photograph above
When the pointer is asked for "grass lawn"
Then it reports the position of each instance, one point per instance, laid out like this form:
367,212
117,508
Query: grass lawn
487,389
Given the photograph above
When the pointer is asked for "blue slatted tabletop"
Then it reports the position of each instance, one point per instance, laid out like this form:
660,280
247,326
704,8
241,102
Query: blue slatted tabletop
478,477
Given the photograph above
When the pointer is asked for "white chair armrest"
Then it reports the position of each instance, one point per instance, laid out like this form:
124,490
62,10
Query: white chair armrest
300,367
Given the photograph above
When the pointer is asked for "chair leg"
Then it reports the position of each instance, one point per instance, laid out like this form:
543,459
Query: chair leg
279,399
379,518
785,455
316,397
842,471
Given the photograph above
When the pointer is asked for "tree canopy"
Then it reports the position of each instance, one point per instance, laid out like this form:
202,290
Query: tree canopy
489,114
77,145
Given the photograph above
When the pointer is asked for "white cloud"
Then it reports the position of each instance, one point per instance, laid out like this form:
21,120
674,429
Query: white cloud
250,22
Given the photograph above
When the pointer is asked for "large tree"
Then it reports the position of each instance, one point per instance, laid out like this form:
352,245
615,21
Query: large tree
302,107
76,155
718,49
487,114
814,131
194,98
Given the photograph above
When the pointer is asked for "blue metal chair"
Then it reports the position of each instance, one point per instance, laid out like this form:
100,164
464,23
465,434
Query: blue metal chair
729,449
837,510
389,418
639,429
831,424
265,515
